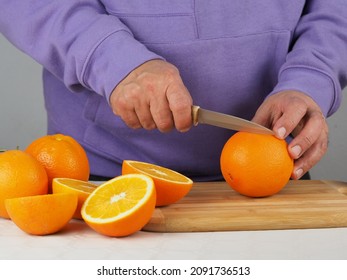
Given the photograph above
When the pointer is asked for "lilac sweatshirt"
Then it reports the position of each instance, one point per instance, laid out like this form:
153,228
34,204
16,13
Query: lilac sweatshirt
231,56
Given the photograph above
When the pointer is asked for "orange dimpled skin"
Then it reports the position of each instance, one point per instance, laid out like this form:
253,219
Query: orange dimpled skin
256,165
20,175
62,156
42,214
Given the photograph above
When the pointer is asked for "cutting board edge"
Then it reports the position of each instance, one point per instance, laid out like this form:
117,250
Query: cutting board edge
223,229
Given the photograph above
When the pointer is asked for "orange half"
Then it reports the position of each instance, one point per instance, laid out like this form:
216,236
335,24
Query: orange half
171,186
42,214
120,206
81,188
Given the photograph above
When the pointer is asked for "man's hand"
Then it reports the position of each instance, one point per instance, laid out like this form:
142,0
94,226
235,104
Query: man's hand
292,112
153,96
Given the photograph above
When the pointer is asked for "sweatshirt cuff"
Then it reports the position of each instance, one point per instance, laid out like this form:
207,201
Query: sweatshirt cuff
112,60
311,82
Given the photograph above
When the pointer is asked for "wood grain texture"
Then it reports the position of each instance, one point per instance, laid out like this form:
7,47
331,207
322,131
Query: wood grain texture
216,207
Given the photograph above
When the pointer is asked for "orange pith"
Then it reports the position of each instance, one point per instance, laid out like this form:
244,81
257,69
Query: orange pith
62,156
170,185
256,165
81,188
20,175
121,206
42,214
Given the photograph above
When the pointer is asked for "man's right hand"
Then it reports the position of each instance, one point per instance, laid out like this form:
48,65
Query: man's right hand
153,96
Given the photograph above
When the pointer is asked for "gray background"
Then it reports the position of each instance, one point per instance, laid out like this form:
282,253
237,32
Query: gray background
23,116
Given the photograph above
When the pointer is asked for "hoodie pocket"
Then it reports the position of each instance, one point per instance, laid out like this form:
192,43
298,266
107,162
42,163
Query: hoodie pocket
150,21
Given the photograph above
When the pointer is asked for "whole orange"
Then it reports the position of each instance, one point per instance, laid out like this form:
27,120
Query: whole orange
62,156
256,165
20,175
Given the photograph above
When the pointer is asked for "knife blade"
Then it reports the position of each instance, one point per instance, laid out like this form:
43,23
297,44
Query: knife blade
204,116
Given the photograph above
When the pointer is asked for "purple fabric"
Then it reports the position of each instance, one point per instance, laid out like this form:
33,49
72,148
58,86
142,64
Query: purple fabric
231,56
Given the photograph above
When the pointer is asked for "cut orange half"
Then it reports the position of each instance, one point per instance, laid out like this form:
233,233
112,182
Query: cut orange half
120,206
42,214
170,185
81,188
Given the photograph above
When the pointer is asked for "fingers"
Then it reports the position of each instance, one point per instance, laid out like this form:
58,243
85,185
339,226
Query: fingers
180,103
307,124
132,109
308,135
173,107
311,156
153,96
295,113
309,145
265,114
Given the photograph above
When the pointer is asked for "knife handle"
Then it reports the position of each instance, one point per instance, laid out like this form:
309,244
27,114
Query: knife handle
195,110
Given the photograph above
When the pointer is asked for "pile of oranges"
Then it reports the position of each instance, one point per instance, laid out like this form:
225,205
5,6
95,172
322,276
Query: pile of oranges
26,183
45,186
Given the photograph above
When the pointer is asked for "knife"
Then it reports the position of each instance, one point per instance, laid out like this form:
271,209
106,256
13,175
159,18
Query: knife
204,116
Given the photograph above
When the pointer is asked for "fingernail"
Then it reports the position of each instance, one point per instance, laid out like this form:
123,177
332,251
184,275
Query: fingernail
299,172
281,132
296,150
184,130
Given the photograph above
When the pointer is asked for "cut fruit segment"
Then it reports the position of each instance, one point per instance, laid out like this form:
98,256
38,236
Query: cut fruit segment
20,175
120,206
42,214
170,185
81,188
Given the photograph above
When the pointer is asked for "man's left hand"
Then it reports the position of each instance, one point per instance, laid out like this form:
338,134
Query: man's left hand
295,113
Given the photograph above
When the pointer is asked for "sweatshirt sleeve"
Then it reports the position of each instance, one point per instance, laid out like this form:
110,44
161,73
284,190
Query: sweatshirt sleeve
317,63
77,41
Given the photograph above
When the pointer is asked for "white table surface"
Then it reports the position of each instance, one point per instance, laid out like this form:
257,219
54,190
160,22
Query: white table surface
78,241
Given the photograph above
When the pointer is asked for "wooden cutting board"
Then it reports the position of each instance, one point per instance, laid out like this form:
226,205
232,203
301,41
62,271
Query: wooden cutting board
216,207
